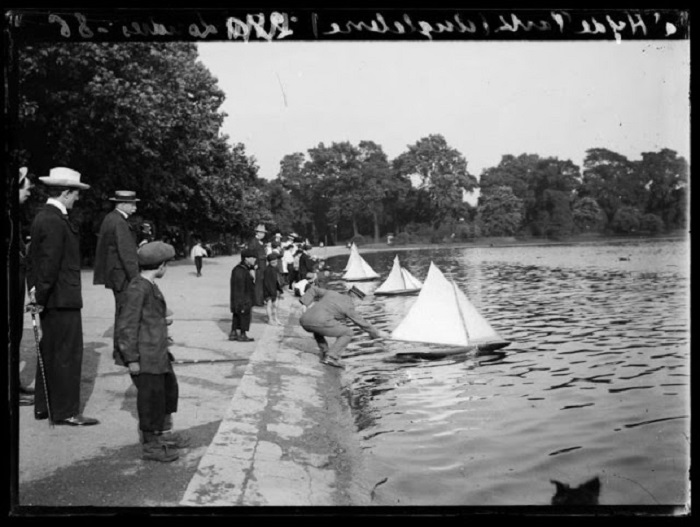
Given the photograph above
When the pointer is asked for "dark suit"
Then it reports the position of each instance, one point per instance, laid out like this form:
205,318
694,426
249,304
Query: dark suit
54,270
259,248
242,297
116,261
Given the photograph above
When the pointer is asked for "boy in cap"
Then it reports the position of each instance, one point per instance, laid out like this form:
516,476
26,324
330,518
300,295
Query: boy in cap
242,296
142,336
272,289
325,311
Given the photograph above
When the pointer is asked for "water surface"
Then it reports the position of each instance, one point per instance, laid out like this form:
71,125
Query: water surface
595,382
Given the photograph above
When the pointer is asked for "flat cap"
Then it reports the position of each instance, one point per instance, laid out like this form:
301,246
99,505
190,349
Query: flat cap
357,292
155,253
248,253
272,256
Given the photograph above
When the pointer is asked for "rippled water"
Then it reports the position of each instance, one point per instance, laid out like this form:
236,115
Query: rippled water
595,382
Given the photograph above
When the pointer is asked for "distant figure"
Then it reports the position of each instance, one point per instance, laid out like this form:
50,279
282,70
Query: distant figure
242,296
146,233
585,494
272,289
256,244
197,253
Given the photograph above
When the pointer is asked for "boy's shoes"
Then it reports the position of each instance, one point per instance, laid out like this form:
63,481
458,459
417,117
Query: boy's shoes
233,336
332,361
245,338
157,451
174,439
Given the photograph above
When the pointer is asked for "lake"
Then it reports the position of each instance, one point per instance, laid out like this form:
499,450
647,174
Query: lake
595,382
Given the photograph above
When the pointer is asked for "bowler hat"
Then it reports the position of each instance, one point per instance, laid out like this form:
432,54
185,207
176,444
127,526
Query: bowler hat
260,228
357,292
155,253
248,253
63,177
124,195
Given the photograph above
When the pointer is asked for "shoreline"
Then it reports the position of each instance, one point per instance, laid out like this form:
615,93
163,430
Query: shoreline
496,242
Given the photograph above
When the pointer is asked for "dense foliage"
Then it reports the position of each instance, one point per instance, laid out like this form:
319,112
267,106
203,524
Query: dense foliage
146,117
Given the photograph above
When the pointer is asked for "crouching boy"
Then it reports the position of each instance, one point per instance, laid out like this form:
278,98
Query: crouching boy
143,343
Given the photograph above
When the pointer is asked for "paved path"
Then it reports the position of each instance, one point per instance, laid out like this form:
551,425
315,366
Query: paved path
268,422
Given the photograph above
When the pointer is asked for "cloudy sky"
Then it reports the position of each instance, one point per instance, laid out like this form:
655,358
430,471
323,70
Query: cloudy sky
486,98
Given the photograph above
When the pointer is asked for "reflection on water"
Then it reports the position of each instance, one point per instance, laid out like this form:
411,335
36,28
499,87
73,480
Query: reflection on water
594,383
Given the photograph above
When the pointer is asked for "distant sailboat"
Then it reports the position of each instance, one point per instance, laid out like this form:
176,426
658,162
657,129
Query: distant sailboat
357,268
353,248
399,282
442,314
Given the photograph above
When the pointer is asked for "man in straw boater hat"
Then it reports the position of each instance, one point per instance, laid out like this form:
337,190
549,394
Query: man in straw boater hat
323,316
256,244
116,261
55,290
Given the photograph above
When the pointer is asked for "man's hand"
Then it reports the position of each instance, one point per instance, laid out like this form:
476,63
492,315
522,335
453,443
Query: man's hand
34,308
134,368
383,334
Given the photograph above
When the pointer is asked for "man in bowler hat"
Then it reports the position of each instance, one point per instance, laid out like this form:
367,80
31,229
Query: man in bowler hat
116,260
54,287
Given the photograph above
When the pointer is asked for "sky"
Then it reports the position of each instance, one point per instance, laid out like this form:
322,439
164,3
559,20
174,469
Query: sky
488,99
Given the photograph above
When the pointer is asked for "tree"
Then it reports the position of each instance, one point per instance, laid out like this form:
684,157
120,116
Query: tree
545,186
665,175
627,220
141,116
499,212
443,173
587,215
608,178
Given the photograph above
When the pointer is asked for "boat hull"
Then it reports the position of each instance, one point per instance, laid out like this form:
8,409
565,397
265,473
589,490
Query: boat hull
397,293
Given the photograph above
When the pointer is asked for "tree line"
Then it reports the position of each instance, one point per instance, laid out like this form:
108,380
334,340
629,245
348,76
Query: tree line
146,117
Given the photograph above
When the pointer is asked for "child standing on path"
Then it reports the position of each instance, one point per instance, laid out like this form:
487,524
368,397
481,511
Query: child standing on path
242,296
143,342
272,289
198,252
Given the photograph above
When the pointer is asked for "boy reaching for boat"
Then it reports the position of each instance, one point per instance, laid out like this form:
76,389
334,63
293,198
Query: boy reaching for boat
323,316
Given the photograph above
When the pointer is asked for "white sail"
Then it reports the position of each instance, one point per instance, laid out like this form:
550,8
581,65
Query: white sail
443,314
358,269
353,249
399,281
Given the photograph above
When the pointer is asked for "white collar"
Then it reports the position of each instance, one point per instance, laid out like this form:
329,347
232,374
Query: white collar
126,216
60,206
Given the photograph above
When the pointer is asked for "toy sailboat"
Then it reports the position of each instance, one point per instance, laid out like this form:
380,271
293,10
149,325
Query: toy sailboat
442,314
357,268
399,282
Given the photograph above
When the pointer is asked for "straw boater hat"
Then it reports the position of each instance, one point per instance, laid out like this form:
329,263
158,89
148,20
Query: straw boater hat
63,177
124,195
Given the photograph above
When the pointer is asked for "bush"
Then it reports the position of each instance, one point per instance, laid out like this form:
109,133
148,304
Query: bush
651,223
357,240
402,238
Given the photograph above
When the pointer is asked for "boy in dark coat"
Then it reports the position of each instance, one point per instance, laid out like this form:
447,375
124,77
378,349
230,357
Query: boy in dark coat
142,335
272,288
242,296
